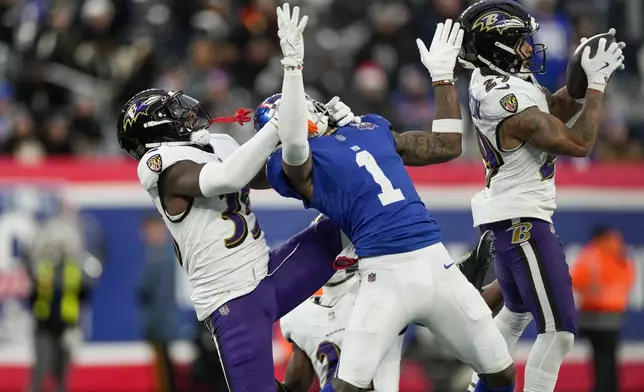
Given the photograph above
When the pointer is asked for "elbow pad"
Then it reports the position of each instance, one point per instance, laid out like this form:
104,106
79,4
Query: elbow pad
295,154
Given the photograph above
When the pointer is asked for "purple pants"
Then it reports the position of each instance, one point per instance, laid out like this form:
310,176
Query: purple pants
242,328
531,268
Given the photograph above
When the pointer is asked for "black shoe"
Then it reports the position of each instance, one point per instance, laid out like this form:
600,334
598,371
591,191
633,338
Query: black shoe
478,261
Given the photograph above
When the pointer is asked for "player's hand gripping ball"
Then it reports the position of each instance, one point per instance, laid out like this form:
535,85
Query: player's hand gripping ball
593,65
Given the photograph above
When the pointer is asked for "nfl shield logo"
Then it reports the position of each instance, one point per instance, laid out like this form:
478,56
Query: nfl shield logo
371,277
224,310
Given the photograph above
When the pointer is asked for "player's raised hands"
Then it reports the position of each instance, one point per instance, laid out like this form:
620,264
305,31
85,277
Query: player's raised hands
440,59
290,29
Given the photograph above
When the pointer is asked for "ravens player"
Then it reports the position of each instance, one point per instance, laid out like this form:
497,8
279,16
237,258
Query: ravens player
199,183
521,130
355,175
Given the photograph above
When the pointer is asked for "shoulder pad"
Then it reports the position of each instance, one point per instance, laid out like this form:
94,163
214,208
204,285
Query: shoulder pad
223,144
155,161
500,98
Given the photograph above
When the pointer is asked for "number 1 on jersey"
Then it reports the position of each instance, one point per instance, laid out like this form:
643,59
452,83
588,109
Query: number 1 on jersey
389,194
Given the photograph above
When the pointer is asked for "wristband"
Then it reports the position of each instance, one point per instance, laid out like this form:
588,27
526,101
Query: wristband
447,125
447,82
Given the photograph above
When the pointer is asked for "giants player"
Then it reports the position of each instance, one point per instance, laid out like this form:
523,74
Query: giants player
521,129
316,328
355,175
199,183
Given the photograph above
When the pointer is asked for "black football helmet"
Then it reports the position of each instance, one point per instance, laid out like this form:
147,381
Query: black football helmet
156,116
495,30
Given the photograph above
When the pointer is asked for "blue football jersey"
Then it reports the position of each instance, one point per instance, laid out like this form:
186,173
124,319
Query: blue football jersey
360,181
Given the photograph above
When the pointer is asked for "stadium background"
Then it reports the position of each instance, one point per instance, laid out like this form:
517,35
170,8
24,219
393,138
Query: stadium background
66,67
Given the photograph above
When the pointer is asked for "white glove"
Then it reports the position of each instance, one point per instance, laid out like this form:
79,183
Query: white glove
290,34
441,57
341,113
603,64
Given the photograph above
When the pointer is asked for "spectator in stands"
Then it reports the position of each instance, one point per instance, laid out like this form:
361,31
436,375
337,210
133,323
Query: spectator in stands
414,103
22,142
370,92
614,142
7,109
391,44
157,299
602,277
57,138
108,50
85,127
256,37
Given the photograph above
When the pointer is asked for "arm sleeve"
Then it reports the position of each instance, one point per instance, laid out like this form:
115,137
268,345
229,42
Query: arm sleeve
241,166
293,119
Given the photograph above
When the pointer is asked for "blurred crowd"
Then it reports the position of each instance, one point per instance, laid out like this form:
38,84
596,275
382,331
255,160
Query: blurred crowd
67,66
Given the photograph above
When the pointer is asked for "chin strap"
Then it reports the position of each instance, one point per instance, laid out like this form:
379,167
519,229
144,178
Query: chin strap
241,117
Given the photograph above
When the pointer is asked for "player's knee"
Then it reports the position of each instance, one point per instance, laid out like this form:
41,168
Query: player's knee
511,322
500,379
557,344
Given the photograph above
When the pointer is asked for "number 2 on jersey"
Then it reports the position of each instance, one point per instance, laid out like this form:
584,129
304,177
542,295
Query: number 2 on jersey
388,194
234,203
331,352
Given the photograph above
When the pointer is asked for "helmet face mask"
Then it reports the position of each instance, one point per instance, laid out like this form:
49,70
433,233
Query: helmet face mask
318,117
153,117
319,120
499,36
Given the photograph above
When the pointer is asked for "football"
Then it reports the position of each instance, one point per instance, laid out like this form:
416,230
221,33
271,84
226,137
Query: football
576,80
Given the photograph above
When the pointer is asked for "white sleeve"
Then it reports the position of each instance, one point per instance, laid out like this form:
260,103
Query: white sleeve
236,171
293,119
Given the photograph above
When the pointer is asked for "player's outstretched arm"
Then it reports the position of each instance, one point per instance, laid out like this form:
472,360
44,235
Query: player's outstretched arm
299,371
418,148
190,179
549,133
292,110
444,142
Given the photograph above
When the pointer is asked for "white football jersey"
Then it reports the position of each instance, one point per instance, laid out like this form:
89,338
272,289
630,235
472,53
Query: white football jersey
519,182
317,326
219,242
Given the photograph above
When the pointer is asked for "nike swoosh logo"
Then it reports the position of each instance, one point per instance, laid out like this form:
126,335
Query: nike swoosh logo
448,265
605,66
